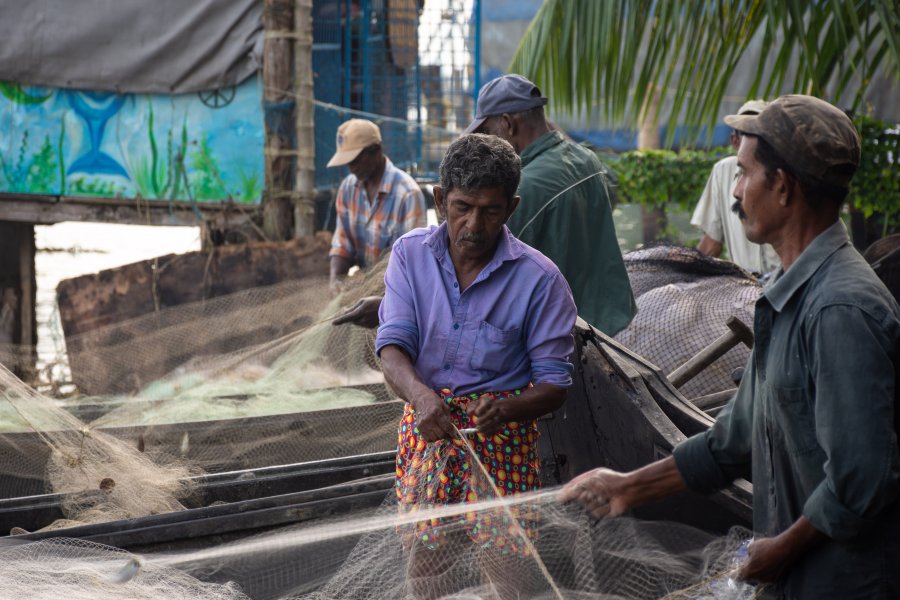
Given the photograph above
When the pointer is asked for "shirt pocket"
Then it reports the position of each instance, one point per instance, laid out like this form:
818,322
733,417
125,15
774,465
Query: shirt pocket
496,350
795,418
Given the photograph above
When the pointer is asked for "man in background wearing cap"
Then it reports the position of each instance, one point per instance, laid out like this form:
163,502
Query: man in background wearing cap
375,204
814,422
565,210
719,223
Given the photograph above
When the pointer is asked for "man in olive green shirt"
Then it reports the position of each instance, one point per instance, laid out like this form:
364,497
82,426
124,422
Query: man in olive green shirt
565,210
815,419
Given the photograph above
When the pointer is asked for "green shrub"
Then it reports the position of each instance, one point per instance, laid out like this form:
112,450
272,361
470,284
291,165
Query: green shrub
659,177
875,190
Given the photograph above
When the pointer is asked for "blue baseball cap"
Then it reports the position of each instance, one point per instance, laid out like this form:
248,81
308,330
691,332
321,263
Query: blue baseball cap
508,94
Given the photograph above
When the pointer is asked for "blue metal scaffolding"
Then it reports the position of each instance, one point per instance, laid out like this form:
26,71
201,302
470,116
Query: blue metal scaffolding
408,65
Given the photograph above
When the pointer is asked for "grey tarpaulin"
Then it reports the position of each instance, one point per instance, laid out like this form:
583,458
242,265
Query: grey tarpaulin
140,46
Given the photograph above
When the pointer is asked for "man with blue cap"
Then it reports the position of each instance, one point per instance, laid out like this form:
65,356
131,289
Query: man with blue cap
565,210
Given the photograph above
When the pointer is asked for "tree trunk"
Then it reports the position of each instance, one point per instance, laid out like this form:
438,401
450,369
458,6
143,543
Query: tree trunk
653,219
304,206
278,106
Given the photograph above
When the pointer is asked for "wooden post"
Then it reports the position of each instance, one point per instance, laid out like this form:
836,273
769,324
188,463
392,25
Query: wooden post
278,107
18,297
304,206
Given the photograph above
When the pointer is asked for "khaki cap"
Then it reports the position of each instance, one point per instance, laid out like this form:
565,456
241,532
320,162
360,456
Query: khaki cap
813,137
353,137
752,107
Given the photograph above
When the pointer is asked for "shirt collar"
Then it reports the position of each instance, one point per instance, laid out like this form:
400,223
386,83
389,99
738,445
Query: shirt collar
786,283
540,145
508,247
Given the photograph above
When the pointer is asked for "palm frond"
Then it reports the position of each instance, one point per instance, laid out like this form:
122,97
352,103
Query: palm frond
611,57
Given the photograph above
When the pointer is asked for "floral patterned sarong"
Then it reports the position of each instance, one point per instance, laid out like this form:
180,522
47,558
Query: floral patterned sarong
430,475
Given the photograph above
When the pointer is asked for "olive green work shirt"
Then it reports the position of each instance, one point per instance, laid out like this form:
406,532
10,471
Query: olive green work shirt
814,422
565,213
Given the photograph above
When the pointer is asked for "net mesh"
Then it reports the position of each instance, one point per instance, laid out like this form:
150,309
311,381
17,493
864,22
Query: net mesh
517,546
684,300
307,391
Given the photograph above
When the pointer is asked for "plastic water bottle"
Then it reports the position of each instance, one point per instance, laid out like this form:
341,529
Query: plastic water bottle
727,586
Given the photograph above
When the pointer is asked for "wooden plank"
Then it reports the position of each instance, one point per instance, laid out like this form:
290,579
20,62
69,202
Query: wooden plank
114,295
47,210
102,311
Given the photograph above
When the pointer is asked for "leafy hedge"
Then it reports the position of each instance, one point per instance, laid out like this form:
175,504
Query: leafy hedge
660,177
876,186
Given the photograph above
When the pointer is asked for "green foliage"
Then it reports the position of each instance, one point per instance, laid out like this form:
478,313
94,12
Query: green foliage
251,186
613,57
876,185
154,175
659,177
61,158
204,174
36,174
81,186
14,92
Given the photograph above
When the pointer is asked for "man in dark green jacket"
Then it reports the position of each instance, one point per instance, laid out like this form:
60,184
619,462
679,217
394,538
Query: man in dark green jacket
565,210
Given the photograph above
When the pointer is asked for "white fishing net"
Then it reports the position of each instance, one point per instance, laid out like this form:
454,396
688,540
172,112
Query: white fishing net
493,547
78,570
313,392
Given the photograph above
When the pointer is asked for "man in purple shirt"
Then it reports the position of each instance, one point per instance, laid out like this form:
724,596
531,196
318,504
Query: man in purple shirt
475,333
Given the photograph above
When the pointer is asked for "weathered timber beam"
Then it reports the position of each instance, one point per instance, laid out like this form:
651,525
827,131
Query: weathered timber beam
47,210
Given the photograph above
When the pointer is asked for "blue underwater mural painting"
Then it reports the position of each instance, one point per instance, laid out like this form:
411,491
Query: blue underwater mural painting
205,147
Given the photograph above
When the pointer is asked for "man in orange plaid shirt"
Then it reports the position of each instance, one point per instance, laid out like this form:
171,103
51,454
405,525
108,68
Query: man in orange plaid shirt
376,203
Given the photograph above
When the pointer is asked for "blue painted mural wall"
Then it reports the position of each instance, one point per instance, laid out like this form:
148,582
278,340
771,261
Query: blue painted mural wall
205,147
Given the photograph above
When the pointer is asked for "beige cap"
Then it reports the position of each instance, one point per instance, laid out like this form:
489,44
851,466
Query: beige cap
812,136
353,137
752,107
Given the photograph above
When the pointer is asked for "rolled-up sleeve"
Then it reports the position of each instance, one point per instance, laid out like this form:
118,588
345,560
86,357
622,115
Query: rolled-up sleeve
342,241
397,312
854,416
549,322
712,459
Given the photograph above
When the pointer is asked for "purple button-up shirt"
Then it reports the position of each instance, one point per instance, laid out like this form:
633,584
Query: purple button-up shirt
512,326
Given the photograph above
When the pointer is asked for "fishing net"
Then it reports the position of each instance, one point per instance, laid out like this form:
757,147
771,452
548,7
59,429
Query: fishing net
75,570
684,299
492,547
311,391
308,394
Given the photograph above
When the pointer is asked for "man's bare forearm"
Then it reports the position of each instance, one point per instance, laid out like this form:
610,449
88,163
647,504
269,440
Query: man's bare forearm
710,247
535,402
400,374
339,266
655,481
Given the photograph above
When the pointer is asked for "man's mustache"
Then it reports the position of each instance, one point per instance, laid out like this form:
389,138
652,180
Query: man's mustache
736,209
475,238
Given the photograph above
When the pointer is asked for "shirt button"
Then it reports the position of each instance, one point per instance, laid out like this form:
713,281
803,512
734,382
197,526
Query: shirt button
456,326
446,366
456,285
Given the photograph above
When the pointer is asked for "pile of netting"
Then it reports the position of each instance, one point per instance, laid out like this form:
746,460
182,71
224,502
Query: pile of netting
491,547
684,299
308,391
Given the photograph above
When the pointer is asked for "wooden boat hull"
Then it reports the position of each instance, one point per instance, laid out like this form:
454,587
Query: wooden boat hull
621,413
